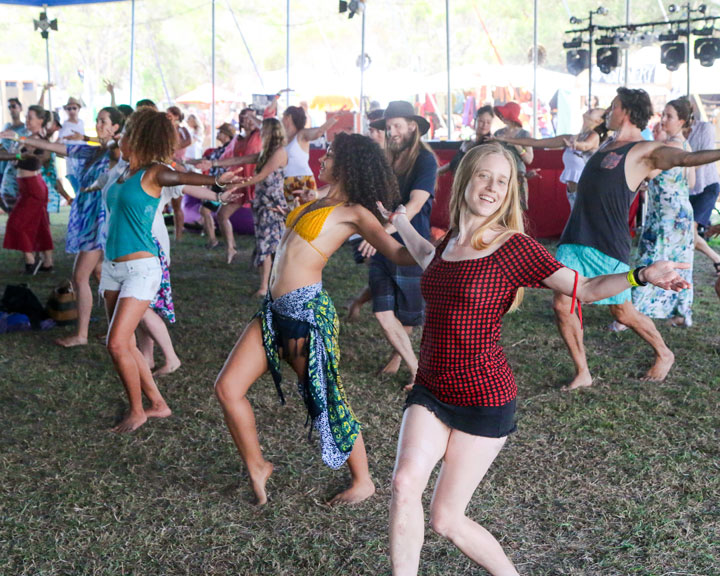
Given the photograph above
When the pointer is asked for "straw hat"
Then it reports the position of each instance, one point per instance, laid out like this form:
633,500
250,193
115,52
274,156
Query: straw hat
227,129
73,102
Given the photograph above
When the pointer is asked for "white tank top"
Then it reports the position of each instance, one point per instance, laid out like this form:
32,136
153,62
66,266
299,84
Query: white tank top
298,160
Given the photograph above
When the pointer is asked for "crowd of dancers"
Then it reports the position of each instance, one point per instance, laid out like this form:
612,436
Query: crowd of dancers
379,188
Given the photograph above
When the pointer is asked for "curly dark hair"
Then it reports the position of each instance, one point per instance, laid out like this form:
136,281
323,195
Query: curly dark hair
637,103
362,169
150,136
684,110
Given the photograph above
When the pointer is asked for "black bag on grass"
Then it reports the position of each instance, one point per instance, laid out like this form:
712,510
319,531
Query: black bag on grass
21,300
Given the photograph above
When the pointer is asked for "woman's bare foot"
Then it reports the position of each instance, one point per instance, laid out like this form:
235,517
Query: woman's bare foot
582,380
392,366
158,411
260,293
354,311
659,370
212,244
169,368
230,255
357,492
130,423
258,484
71,341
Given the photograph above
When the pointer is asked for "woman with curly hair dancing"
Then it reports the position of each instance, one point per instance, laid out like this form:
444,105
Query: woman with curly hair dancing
298,323
131,271
268,204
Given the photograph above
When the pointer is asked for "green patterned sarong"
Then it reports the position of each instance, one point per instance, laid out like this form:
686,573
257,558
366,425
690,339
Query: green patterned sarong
321,390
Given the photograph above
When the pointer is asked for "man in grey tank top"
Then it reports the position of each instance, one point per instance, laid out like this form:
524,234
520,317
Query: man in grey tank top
596,239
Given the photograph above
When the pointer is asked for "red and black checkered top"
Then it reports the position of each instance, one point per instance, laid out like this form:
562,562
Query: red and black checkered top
461,360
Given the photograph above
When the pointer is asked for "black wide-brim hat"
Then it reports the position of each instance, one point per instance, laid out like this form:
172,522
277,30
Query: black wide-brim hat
401,109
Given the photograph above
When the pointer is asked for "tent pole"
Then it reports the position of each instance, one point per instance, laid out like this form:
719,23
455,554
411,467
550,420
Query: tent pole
132,48
450,123
212,107
287,57
362,74
535,66
47,60
627,52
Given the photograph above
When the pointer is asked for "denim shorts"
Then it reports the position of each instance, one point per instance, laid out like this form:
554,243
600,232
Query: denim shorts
590,262
138,279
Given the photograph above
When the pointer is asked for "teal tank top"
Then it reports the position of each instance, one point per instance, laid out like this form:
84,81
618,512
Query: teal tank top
132,211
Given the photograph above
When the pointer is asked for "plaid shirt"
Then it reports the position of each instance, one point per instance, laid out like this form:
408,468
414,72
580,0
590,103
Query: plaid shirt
461,360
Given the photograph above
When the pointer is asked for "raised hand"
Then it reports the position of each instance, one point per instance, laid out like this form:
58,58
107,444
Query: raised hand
109,86
663,275
305,195
232,178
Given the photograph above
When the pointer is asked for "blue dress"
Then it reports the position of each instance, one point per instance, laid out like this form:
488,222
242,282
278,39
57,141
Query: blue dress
86,229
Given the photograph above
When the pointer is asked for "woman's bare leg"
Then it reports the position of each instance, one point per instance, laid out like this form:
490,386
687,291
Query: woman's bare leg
157,330
209,227
265,269
422,442
85,265
145,344
178,218
246,363
466,461
47,258
226,229
130,363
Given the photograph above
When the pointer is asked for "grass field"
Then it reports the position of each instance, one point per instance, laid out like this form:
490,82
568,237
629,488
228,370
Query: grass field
619,479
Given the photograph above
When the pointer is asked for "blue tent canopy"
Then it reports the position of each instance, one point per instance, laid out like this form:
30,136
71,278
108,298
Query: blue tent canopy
48,3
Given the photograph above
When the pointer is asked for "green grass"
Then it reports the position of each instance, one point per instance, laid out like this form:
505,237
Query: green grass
619,479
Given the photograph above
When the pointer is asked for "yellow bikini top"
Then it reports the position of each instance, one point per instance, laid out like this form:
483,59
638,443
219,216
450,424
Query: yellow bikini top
310,224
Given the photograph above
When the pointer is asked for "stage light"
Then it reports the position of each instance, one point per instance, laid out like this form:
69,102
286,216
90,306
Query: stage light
577,61
351,6
646,38
572,44
668,36
608,58
601,11
605,41
44,25
707,31
707,50
575,20
702,8
672,8
672,55
625,40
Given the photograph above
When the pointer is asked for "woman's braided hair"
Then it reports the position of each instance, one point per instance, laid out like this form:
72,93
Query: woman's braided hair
151,136
361,167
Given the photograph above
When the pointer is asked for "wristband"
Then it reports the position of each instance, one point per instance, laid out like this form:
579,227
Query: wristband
218,184
633,277
18,156
219,199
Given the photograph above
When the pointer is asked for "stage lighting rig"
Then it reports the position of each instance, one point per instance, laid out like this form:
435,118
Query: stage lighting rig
669,36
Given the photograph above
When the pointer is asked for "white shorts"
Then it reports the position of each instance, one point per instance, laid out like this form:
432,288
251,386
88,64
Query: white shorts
138,279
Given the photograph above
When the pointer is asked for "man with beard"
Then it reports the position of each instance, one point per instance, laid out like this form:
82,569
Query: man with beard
396,299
